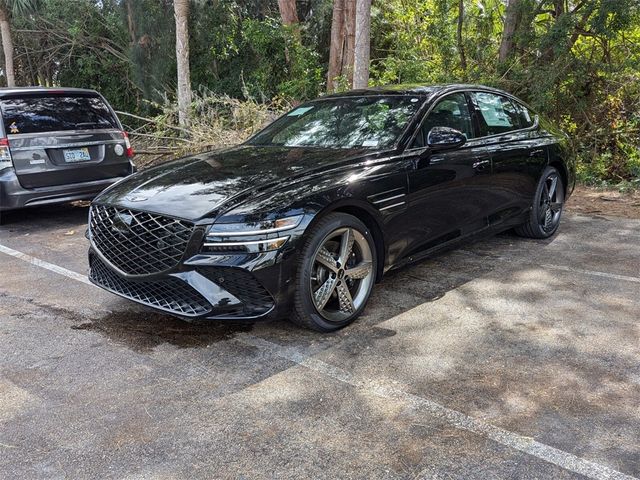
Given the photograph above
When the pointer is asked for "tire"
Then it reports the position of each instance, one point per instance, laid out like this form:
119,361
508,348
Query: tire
330,293
546,211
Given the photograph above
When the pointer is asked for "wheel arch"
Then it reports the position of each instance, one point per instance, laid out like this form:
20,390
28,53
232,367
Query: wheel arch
367,215
564,174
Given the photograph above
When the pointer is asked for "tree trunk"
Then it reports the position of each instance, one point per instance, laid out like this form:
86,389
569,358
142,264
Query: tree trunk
131,23
349,39
559,7
181,10
7,46
463,57
288,11
336,46
507,44
362,48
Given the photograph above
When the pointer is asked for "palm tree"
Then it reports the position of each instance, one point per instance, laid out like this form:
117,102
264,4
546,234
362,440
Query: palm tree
7,9
181,10
362,44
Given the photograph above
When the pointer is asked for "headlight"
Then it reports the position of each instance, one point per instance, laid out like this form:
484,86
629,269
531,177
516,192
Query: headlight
250,237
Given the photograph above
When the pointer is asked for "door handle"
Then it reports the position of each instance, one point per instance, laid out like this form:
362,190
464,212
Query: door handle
480,165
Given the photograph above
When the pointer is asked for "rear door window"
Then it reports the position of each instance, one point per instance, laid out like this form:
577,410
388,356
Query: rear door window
54,113
497,114
526,119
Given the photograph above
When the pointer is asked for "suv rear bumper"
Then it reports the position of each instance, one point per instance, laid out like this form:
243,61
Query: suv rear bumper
14,196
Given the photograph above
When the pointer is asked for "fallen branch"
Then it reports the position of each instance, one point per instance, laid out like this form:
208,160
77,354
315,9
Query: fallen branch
156,152
151,120
149,135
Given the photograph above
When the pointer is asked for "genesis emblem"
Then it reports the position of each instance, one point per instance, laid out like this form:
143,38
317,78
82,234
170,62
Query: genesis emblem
121,223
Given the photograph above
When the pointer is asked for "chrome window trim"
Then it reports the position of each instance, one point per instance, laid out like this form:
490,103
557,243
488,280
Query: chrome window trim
486,137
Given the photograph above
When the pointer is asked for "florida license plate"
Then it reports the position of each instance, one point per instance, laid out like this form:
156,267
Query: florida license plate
76,155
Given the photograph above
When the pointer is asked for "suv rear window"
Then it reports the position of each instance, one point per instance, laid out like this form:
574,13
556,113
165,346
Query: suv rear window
51,113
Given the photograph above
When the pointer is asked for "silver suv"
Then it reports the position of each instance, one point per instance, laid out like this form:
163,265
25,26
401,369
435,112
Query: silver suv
58,145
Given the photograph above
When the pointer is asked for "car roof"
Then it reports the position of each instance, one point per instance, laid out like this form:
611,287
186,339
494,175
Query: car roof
415,89
12,91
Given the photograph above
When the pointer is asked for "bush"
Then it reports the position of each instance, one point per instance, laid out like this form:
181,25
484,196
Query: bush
216,121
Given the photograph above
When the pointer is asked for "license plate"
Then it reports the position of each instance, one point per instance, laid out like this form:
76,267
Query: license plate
76,155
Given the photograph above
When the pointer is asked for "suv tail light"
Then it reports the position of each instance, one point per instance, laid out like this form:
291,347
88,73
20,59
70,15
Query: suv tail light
127,144
5,154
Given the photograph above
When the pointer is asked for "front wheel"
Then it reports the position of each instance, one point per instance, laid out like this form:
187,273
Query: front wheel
335,274
546,210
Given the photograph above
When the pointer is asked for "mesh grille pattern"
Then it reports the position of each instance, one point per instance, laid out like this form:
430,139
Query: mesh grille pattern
139,243
245,287
169,294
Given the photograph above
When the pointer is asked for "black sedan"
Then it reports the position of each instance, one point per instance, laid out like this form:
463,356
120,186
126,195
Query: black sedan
301,220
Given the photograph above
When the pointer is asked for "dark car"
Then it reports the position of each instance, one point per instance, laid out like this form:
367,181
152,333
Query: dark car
58,145
305,217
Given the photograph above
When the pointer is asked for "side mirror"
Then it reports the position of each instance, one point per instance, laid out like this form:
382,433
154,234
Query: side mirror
445,138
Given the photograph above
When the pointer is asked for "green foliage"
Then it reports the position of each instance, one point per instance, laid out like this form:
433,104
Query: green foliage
278,63
76,44
152,57
19,7
576,62
581,68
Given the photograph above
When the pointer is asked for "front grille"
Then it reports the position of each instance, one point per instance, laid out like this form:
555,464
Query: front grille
138,243
169,294
245,287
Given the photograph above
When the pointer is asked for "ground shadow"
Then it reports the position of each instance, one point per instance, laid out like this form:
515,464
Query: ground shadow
46,216
143,330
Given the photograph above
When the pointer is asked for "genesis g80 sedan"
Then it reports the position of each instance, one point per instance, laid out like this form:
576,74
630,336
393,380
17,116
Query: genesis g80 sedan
302,220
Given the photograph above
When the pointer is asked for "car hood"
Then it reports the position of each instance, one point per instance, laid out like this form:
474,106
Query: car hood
203,185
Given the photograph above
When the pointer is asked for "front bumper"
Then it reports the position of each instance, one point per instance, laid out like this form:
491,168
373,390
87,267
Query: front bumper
14,196
210,287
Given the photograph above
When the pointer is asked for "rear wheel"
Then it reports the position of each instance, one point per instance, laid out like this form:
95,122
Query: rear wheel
546,210
335,274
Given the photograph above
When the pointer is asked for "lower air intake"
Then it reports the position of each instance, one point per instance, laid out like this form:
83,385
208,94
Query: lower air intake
169,294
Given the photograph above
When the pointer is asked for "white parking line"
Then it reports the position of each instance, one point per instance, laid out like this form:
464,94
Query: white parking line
564,268
457,419
594,273
46,265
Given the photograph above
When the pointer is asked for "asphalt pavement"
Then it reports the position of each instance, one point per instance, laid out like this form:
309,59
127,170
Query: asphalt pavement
505,359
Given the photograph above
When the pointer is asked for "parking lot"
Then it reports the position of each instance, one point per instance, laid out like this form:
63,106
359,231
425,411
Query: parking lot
509,358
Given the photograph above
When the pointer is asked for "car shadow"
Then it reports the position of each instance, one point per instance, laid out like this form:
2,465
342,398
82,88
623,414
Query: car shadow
45,217
143,329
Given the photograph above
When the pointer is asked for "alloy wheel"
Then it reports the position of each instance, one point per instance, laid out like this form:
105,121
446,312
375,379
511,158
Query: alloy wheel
551,202
341,274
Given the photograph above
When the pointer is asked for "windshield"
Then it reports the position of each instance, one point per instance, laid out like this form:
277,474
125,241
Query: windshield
348,122
50,113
